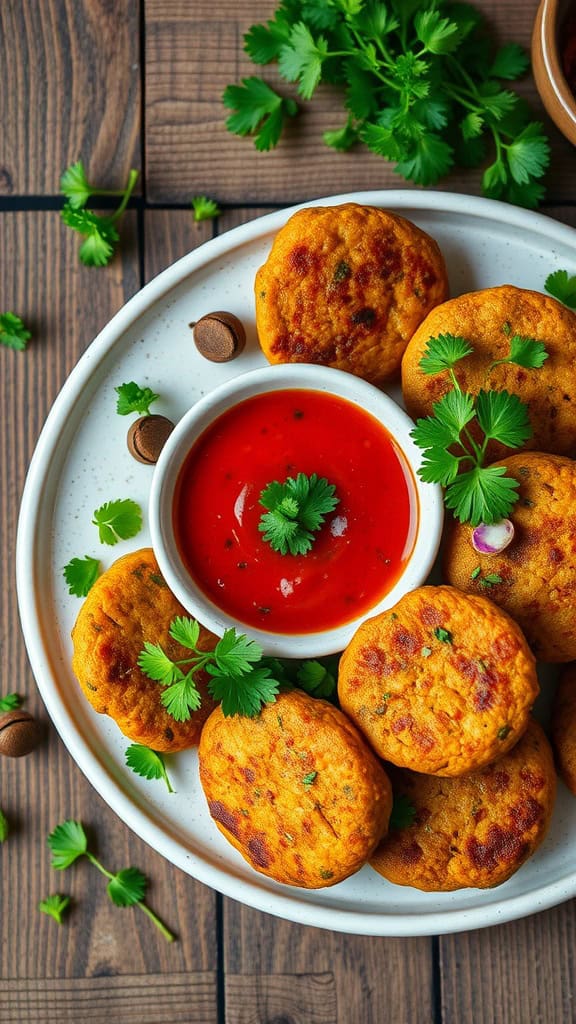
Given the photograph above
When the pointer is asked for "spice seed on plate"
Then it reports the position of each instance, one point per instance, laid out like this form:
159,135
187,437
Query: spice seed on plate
147,437
219,336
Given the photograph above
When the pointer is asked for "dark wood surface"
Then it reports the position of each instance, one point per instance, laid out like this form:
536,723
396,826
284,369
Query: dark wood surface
121,86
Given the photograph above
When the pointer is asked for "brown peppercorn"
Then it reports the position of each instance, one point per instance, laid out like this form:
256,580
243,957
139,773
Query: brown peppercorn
147,437
19,733
219,336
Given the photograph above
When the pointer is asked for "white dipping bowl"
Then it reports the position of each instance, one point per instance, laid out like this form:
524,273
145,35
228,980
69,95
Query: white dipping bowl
429,514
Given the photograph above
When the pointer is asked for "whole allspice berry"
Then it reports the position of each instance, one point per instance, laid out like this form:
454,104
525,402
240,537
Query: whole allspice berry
147,437
19,734
219,336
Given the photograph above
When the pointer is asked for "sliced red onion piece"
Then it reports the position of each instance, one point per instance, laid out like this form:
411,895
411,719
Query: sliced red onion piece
492,539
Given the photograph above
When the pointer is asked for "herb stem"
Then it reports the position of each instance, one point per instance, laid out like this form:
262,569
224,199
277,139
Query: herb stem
156,920
131,183
94,860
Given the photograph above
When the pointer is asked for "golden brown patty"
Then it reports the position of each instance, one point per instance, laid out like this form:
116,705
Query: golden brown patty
296,790
129,604
564,727
443,683
488,319
474,831
538,569
347,286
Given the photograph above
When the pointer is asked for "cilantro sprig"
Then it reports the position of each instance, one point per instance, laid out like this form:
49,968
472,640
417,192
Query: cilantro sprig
118,520
126,888
204,208
99,232
236,677
54,906
562,286
453,454
10,702
296,510
147,763
134,398
13,333
81,574
422,88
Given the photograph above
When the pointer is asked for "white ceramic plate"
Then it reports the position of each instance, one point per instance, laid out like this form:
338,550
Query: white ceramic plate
82,461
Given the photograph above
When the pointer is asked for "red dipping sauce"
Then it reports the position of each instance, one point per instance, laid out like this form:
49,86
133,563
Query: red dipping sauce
359,552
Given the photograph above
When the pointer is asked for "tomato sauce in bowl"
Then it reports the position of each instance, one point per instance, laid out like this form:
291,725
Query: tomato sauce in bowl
358,554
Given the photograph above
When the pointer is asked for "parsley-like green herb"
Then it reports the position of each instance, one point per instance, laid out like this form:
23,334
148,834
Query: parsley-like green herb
563,287
118,520
443,635
318,678
13,333
3,827
133,398
99,231
309,779
81,574
10,702
147,763
421,87
204,208
476,572
490,581
296,511
126,888
504,731
237,678
403,812
54,906
452,456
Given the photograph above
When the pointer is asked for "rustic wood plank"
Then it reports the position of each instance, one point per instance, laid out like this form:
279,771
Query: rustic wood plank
299,998
524,971
166,998
70,91
194,50
65,305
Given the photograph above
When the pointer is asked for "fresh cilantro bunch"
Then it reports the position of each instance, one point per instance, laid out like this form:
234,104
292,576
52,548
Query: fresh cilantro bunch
126,888
100,232
13,333
453,455
296,511
421,86
237,679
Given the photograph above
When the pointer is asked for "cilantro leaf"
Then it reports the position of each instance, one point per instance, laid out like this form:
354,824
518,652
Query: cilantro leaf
157,665
431,158
471,126
482,494
314,678
236,653
443,352
343,138
525,352
529,154
301,59
562,286
454,410
403,812
439,466
181,697
127,887
4,829
118,520
296,510
263,42
244,694
67,842
257,110
99,233
510,62
147,763
133,398
438,34
54,906
74,185
185,631
81,574
204,208
503,417
13,333
10,702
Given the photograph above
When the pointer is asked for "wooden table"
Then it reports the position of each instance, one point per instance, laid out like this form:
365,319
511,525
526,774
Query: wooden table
120,84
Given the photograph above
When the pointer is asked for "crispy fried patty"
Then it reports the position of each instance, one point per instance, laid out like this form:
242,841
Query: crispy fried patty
347,286
476,830
296,790
442,683
564,726
129,604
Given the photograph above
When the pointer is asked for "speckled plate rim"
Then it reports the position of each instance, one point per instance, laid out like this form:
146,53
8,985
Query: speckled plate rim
286,902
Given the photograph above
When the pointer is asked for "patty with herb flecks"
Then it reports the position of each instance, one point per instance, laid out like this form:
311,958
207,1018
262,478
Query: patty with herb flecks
534,577
442,683
296,790
128,605
489,320
346,286
474,831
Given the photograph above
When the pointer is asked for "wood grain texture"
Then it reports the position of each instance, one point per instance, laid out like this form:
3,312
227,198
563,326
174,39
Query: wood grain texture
65,305
70,91
166,998
194,50
298,998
